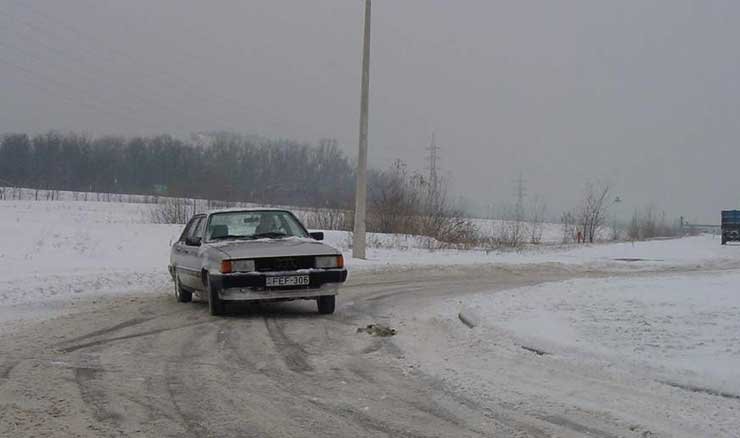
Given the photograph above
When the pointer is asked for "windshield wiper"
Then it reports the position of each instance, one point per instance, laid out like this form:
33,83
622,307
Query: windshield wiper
270,235
231,237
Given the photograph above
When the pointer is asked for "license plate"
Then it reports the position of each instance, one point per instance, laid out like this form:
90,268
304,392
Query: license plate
285,281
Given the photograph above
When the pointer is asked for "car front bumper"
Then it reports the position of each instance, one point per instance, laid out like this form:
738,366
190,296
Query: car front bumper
242,294
251,286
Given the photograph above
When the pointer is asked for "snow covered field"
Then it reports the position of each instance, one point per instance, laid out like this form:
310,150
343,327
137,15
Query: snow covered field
53,252
699,252
61,250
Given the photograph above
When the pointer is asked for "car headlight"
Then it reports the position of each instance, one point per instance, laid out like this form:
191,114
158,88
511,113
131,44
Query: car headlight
242,265
326,262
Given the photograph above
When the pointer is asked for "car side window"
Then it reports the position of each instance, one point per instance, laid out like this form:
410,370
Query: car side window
200,228
194,228
188,229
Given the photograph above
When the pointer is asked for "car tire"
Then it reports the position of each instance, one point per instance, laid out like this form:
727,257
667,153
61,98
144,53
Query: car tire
326,304
182,295
724,242
215,305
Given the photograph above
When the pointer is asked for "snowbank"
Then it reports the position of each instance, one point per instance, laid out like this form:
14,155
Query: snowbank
681,329
699,252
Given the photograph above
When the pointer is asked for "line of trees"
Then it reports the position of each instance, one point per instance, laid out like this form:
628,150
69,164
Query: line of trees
232,168
649,223
225,167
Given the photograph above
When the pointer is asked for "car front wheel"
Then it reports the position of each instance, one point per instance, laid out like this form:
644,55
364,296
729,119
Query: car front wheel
215,305
326,304
182,295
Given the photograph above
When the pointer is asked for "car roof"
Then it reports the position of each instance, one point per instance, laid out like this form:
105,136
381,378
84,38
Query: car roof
246,210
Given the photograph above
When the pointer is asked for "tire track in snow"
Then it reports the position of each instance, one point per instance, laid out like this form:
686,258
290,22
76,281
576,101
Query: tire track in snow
294,355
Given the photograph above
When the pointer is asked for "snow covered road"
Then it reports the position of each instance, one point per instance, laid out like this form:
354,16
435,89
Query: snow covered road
609,340
143,365
657,352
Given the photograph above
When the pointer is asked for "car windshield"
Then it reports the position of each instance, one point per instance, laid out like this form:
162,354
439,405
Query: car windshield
253,225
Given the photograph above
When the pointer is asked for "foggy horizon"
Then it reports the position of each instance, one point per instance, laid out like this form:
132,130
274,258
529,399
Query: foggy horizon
643,96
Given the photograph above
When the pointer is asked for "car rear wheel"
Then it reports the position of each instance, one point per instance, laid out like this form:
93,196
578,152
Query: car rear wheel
182,295
326,304
215,305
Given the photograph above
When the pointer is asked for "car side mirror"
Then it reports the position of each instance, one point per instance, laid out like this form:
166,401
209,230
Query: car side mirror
317,235
192,241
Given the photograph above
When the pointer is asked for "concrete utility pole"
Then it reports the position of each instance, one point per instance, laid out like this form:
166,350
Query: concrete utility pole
358,244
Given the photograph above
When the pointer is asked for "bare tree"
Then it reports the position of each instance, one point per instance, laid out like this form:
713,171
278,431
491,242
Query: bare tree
614,228
536,219
394,199
403,202
329,219
646,223
519,229
633,230
173,211
507,231
568,221
511,230
593,209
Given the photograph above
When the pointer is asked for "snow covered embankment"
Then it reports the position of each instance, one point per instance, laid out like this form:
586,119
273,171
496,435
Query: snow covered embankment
661,353
683,329
59,251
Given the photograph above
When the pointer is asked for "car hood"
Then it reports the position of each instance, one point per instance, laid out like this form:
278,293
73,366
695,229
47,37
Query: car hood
237,249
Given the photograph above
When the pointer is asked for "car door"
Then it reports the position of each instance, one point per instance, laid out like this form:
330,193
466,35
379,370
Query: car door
187,267
177,257
192,260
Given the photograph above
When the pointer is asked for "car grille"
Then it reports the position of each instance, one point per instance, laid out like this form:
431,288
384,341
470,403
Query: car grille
272,264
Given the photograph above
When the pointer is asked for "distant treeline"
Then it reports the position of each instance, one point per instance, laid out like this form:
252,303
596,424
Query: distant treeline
220,166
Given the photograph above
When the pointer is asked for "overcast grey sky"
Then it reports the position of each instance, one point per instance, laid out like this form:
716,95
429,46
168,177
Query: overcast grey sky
642,93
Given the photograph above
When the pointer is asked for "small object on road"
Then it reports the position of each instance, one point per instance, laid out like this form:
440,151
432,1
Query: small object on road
467,320
536,351
377,330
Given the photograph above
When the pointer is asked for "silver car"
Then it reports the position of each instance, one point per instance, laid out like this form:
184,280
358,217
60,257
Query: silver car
254,255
